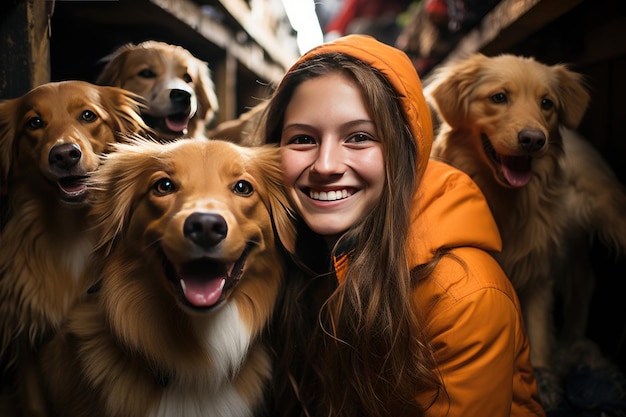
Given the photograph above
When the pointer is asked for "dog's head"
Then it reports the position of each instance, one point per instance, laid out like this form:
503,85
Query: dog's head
51,137
193,216
511,108
177,87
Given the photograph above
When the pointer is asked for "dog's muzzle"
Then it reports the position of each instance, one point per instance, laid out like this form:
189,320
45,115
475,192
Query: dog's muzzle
204,283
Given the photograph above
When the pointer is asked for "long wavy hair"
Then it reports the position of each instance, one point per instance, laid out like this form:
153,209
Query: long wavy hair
355,349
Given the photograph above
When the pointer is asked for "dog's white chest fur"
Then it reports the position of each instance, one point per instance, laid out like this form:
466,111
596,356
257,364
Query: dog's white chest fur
211,391
225,402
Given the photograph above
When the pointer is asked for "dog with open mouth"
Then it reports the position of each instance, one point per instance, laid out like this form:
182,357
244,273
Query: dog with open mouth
177,87
189,265
508,121
50,141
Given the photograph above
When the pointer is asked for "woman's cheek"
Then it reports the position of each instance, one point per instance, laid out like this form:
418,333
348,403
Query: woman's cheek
293,166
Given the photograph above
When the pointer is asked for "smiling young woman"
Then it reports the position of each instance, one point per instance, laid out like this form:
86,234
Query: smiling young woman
393,303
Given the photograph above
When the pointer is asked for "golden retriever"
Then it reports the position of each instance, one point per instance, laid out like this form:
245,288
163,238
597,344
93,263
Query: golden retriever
50,140
178,88
189,267
508,121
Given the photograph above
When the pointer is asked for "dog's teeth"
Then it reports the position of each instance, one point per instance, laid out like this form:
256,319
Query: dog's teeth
182,284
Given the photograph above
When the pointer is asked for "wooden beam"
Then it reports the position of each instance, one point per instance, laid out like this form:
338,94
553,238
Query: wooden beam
24,53
241,12
250,54
509,23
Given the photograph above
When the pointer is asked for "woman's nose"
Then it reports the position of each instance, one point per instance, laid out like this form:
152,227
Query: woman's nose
329,159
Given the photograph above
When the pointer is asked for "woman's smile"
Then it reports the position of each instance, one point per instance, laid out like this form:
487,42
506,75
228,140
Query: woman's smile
332,195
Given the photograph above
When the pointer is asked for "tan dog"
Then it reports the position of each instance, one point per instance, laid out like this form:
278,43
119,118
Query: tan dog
507,122
190,268
177,86
50,140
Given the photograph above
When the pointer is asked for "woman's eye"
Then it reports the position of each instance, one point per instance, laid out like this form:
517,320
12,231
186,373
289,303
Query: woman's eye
164,186
302,140
243,187
360,137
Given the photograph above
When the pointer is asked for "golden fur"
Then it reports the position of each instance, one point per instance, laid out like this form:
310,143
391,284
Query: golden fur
508,122
50,139
177,86
246,130
144,343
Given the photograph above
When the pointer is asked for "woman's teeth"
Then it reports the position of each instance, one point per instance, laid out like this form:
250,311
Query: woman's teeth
329,195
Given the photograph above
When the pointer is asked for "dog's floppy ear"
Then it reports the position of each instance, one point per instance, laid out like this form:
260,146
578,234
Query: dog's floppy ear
125,110
451,86
113,63
208,105
573,96
267,167
7,140
112,187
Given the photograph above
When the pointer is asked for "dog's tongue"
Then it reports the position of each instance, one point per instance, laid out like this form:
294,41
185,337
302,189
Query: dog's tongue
72,188
202,292
177,123
516,170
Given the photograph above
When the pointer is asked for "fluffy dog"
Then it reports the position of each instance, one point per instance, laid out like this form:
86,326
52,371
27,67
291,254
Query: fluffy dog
508,122
189,268
177,86
50,140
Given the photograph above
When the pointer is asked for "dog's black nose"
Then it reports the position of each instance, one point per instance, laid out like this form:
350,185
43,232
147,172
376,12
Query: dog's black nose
64,156
531,140
180,96
205,229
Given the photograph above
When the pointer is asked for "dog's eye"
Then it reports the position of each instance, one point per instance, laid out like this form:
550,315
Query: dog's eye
164,186
187,78
499,98
88,116
147,73
243,187
34,123
547,104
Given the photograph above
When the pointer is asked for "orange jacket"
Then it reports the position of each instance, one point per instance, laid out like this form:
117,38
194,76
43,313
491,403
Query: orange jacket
471,310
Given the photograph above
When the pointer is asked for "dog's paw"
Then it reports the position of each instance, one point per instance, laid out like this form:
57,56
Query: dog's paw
550,388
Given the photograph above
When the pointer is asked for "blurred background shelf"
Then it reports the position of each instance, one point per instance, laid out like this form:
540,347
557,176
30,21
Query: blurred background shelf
246,48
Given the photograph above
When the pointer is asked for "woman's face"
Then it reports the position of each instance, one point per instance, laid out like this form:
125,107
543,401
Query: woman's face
331,155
